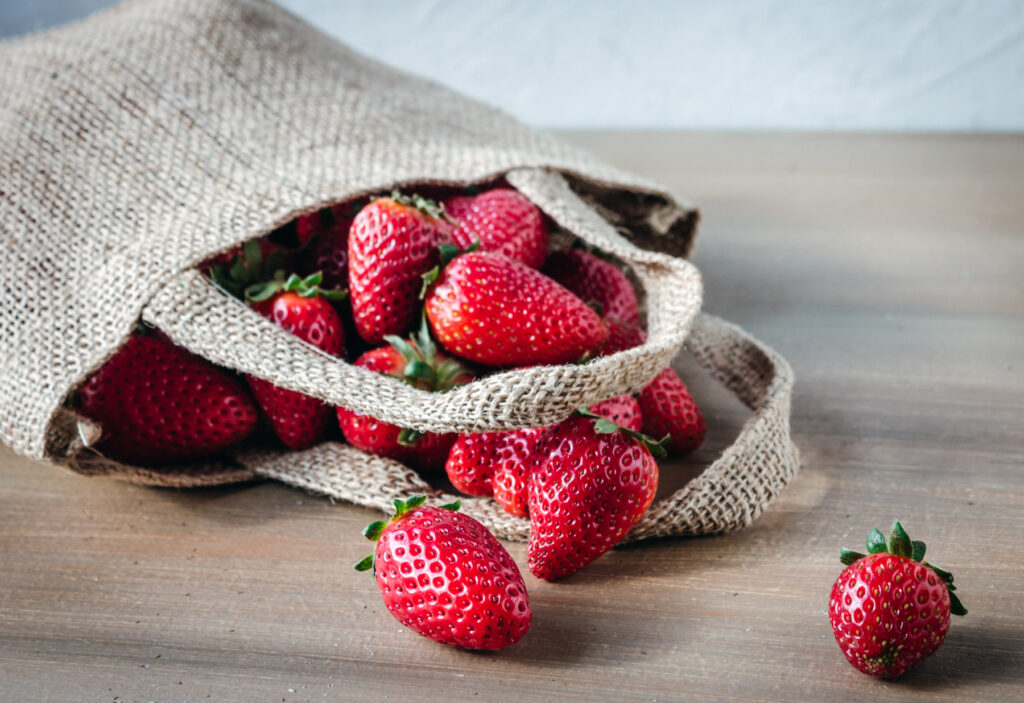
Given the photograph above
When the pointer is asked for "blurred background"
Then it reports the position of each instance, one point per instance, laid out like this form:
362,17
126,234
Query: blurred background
878,65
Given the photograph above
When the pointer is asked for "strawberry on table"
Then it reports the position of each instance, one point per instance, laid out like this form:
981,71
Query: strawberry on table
392,243
595,280
419,363
302,307
504,221
444,576
890,609
596,483
157,403
494,310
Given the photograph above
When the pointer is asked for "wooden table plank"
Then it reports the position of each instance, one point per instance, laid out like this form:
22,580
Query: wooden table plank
886,268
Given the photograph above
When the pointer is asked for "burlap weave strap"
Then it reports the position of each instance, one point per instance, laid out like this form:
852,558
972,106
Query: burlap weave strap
728,494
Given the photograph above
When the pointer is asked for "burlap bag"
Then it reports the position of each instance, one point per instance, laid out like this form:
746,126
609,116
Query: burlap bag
142,141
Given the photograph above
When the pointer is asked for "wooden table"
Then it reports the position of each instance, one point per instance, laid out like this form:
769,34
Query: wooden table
889,270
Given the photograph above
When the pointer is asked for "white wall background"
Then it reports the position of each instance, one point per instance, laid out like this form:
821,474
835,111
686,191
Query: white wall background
718,64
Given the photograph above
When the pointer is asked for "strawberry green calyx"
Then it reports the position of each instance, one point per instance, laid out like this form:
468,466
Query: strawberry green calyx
374,530
424,369
901,545
425,205
246,268
307,287
603,425
448,253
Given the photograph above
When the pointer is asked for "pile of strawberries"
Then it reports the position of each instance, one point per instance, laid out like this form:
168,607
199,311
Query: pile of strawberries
435,293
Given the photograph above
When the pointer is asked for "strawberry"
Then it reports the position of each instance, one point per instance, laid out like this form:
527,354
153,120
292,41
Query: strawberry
889,609
621,336
597,481
518,456
444,576
309,226
595,280
669,409
159,403
302,307
418,363
623,410
493,310
392,243
504,221
328,254
476,458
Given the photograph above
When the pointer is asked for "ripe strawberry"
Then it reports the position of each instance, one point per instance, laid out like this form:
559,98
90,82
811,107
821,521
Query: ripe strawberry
669,409
476,458
504,221
328,254
418,363
498,463
493,310
159,403
889,609
392,243
596,483
621,336
308,226
623,410
444,576
301,307
595,280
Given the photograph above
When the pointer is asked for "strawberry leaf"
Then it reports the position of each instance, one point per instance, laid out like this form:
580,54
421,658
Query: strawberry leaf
605,426
955,606
848,556
408,437
428,280
253,255
899,541
373,530
418,369
365,565
415,502
918,550
876,542
408,351
452,506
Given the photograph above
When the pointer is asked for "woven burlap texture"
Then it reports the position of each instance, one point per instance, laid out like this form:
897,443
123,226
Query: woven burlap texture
146,139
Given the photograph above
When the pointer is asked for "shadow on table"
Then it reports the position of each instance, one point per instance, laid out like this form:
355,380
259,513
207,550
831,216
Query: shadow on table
971,655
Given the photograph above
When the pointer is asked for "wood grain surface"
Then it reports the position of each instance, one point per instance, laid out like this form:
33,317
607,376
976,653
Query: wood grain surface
889,270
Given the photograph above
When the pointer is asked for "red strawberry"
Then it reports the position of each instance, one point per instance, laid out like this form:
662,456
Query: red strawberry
889,609
510,456
159,403
475,458
518,456
596,483
392,243
443,575
308,226
504,221
623,410
493,310
594,279
301,307
622,336
329,255
669,409
418,363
